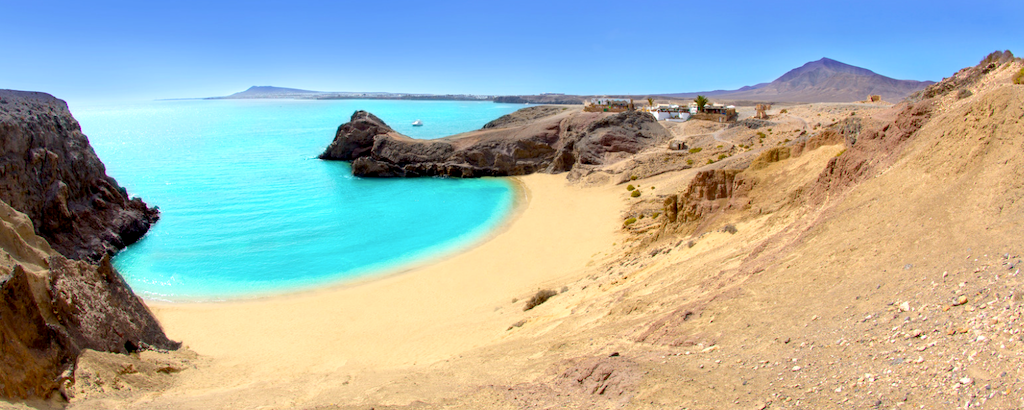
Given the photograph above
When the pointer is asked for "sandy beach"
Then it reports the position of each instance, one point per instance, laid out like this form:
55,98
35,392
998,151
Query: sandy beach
430,313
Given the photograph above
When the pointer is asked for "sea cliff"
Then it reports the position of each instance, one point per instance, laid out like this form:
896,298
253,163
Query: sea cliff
51,173
61,217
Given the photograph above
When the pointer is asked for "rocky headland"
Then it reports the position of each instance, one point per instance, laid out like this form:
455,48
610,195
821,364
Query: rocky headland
62,217
545,139
50,173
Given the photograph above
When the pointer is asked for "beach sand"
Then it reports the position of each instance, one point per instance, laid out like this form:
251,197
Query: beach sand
302,349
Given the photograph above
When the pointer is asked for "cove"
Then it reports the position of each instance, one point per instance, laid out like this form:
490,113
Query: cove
247,209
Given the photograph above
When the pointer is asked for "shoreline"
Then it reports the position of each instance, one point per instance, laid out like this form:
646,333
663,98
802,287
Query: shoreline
520,200
410,318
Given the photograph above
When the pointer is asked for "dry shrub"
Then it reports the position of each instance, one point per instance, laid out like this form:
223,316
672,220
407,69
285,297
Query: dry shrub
541,297
730,228
1019,77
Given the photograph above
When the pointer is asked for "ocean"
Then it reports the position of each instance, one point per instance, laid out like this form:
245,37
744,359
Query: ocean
248,210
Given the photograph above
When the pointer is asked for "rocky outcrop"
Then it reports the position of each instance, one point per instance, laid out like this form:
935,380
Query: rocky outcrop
355,138
32,355
99,310
710,192
54,308
552,143
56,203
49,172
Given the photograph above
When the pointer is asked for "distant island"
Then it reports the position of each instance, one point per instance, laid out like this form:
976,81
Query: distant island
824,80
271,92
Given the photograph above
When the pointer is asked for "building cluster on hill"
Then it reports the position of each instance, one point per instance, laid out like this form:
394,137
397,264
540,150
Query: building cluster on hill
665,112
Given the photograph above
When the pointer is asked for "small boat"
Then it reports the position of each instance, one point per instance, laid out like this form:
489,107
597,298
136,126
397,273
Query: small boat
417,123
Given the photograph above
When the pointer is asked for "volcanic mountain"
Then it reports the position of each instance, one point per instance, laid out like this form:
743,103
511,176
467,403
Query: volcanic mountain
825,80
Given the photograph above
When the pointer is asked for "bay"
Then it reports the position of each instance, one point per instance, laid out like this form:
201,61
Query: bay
247,209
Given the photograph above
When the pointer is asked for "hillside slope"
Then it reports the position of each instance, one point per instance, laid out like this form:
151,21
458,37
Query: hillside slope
824,80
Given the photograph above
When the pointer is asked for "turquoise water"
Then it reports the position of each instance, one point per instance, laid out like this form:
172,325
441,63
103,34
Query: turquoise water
247,209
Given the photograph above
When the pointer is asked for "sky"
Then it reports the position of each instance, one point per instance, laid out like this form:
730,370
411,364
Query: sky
142,50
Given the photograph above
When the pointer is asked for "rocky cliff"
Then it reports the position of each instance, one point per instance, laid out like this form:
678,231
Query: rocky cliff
554,142
54,191
49,172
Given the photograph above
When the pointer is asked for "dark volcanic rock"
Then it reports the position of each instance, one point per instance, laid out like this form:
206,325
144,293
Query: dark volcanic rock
355,138
49,172
537,141
99,310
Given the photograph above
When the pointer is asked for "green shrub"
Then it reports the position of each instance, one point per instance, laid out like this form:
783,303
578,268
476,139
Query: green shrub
632,177
1019,77
641,216
760,134
655,216
630,187
785,141
784,111
841,152
696,150
722,156
629,221
635,193
710,161
540,297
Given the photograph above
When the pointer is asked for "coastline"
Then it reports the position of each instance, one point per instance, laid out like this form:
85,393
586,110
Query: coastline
520,195
408,318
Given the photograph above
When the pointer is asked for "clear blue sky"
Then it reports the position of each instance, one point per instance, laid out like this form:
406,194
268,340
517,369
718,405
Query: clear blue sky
137,50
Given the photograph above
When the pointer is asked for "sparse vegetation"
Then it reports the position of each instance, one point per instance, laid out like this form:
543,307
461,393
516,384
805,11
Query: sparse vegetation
1019,77
540,297
632,177
629,221
730,228
761,134
784,111
964,94
635,193
696,150
641,216
710,161
701,102
722,156
630,187
655,216
785,140
841,152
689,162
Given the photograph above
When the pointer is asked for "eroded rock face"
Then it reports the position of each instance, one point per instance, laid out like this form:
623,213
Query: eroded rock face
49,171
354,138
709,192
99,310
32,354
539,143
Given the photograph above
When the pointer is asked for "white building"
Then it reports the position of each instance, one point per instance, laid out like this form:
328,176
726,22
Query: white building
669,112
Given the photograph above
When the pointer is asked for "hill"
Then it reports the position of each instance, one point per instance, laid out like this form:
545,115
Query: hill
266,91
824,80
